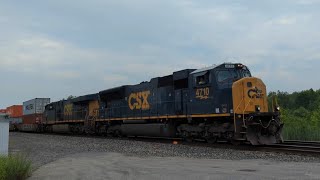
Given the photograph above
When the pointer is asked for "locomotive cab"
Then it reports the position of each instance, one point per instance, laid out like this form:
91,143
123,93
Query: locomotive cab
212,88
234,105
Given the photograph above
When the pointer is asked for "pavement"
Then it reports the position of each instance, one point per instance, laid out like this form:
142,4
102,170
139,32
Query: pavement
118,166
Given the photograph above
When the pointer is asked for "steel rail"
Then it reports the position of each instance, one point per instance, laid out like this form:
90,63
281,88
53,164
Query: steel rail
295,146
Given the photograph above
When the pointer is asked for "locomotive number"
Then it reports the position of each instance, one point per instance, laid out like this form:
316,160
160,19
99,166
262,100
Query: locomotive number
202,93
139,100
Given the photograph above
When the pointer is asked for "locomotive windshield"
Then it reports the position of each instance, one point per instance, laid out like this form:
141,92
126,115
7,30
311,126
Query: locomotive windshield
230,75
244,73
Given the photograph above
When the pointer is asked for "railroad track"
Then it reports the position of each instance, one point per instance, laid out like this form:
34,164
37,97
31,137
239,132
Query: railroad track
303,143
295,147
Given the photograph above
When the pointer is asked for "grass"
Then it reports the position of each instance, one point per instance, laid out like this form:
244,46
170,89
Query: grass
14,167
302,133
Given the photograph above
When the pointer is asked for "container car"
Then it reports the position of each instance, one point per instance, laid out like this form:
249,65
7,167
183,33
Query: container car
33,114
15,111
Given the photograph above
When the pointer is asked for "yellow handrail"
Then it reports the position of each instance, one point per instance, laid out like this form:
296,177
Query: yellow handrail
234,115
244,123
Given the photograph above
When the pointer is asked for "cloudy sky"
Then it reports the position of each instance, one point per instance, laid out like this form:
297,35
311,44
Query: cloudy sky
56,48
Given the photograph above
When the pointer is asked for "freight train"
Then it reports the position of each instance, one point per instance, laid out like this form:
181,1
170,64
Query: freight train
222,102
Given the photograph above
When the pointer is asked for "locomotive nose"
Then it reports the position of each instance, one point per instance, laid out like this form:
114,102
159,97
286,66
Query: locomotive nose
249,95
251,106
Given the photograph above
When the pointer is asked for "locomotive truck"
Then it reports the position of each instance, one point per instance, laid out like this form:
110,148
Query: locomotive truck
222,102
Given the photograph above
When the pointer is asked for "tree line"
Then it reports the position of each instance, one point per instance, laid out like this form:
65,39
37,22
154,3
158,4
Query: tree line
300,111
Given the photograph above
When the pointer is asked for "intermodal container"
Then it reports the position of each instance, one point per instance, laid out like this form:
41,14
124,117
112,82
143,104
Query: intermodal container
3,111
32,119
14,111
35,106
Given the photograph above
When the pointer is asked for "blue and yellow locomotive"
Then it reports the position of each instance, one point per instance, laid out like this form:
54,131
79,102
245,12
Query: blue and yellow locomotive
219,102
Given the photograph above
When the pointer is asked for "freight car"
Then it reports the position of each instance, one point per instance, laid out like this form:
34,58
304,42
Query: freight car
13,115
33,114
218,102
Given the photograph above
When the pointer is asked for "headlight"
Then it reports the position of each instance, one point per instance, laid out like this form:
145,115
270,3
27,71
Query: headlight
258,108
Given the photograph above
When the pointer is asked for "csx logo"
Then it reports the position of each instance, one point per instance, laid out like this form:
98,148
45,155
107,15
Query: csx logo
139,100
68,109
255,93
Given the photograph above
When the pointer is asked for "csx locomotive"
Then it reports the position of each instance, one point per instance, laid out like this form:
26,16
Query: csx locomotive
221,102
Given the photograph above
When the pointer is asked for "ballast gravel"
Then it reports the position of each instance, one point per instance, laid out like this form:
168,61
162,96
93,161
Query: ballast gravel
42,149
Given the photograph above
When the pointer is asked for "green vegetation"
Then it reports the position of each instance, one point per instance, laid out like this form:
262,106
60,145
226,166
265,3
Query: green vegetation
71,97
300,113
14,167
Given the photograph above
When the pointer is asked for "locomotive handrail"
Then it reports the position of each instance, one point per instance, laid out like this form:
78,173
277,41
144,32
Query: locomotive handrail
234,114
244,122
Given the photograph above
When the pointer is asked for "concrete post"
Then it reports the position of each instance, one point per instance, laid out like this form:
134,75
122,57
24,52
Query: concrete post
4,138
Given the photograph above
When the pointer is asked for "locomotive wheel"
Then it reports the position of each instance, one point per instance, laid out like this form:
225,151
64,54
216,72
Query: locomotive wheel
117,133
235,142
186,137
211,140
77,130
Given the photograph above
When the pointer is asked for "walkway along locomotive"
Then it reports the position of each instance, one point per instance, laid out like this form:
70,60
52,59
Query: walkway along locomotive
218,102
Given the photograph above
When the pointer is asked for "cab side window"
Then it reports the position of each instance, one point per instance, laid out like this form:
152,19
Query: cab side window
202,79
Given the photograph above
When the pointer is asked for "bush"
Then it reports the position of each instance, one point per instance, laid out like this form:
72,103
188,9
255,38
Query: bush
301,133
14,167
300,114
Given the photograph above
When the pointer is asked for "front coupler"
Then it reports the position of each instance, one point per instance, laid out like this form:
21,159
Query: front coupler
264,128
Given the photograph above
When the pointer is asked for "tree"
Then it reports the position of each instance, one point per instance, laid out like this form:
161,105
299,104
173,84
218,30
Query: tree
71,97
315,117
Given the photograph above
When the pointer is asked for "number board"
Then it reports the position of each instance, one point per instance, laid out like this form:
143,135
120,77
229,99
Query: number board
229,66
202,93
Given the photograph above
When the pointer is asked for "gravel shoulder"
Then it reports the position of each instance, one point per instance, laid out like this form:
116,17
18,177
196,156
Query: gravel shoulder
47,149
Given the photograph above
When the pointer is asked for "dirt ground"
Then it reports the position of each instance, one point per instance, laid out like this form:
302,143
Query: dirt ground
118,166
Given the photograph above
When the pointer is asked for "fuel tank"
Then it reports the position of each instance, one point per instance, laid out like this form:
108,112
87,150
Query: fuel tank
152,130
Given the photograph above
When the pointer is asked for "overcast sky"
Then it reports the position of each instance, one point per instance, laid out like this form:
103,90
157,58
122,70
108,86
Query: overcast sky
57,48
